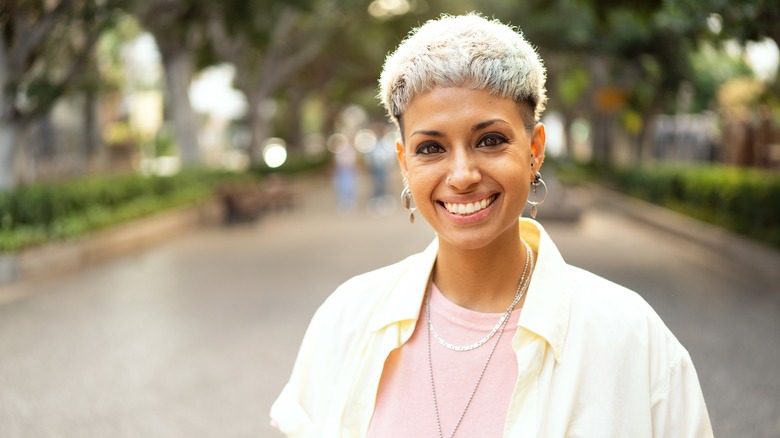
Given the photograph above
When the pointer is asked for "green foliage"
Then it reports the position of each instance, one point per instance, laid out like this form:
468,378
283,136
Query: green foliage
295,164
48,49
164,143
109,51
745,20
572,85
39,213
712,68
746,201
571,172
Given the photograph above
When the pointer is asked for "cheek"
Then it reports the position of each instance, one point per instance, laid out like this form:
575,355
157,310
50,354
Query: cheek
420,181
516,172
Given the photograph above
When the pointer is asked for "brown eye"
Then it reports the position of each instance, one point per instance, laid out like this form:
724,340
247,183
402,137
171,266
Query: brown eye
491,140
429,148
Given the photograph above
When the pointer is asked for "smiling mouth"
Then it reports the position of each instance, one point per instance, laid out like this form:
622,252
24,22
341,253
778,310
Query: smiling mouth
469,208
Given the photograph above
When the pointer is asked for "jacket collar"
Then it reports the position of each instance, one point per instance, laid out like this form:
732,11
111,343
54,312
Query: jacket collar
404,300
548,301
547,304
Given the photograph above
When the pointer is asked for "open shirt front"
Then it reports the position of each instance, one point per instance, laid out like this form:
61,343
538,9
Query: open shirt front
594,360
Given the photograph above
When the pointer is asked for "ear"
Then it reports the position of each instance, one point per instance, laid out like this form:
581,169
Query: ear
399,152
538,141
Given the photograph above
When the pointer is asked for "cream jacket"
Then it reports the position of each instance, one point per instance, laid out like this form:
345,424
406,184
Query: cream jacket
594,360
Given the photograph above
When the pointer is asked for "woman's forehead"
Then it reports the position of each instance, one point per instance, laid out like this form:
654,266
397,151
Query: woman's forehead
443,104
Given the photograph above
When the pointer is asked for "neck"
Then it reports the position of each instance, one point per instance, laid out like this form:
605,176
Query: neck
484,279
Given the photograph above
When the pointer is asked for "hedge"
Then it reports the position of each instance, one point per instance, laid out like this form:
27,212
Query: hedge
38,213
743,200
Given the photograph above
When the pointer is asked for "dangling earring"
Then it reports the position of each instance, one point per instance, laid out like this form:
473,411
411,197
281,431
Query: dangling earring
407,201
537,183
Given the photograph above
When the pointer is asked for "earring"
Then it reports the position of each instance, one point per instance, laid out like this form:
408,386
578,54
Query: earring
407,201
536,185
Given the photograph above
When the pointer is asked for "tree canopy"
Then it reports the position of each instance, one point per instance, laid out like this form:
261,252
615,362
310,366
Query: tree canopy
604,58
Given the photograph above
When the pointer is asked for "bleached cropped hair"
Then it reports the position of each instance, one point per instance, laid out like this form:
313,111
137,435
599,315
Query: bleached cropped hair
466,50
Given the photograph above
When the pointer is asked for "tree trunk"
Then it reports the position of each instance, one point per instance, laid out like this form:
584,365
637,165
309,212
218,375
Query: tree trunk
92,138
9,130
602,138
646,140
332,110
600,120
259,128
568,119
178,73
295,117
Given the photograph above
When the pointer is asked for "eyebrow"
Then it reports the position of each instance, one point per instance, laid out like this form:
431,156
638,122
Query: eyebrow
475,128
485,124
428,133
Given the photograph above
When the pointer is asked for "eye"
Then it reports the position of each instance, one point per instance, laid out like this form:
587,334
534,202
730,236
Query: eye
429,148
491,140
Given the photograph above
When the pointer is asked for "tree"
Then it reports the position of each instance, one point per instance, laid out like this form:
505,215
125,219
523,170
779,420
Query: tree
178,27
44,48
745,20
269,43
634,54
346,70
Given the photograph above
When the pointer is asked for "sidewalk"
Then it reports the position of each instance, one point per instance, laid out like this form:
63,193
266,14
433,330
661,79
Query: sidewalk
747,254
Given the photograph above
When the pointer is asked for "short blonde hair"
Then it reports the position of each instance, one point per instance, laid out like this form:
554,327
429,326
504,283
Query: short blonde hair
466,50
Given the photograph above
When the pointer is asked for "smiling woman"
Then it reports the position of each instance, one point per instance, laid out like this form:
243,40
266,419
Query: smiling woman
488,332
457,156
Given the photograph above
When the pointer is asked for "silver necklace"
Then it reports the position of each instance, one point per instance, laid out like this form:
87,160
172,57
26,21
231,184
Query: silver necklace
501,328
504,317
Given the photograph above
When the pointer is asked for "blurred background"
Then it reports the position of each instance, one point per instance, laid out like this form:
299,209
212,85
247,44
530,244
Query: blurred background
124,123
205,91
158,86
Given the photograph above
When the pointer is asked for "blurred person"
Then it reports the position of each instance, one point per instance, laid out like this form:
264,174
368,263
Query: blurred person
345,175
488,332
379,160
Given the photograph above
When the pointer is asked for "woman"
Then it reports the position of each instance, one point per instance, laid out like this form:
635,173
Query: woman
488,332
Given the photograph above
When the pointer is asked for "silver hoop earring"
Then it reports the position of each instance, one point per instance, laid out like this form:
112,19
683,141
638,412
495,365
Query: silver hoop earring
538,198
407,201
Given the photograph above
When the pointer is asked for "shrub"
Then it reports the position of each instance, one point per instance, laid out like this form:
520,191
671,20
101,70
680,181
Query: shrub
38,213
743,200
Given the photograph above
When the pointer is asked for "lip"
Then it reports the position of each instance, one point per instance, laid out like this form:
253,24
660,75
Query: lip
468,218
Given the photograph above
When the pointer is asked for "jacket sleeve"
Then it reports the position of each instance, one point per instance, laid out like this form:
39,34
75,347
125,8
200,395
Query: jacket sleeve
296,407
288,416
678,409
305,405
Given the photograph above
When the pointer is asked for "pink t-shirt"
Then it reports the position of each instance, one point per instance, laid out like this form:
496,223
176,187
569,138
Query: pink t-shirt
404,404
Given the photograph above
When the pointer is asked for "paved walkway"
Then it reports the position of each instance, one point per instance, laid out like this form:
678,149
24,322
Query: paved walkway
195,337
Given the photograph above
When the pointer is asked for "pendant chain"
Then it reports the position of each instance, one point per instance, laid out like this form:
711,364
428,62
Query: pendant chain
521,289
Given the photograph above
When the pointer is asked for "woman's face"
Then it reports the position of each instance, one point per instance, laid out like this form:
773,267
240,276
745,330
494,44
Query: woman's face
468,156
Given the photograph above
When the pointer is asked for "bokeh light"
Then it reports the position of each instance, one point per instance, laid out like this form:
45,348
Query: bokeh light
275,152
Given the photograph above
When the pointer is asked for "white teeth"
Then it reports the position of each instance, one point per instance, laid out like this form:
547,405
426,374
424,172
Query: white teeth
469,208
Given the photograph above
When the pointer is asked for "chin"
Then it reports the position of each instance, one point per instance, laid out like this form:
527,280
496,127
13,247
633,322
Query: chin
466,242
481,237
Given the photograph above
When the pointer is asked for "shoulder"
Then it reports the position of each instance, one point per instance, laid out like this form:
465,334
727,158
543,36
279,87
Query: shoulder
619,317
365,290
612,324
601,297
351,306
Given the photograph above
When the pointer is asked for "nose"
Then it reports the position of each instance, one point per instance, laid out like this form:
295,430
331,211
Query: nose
464,171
